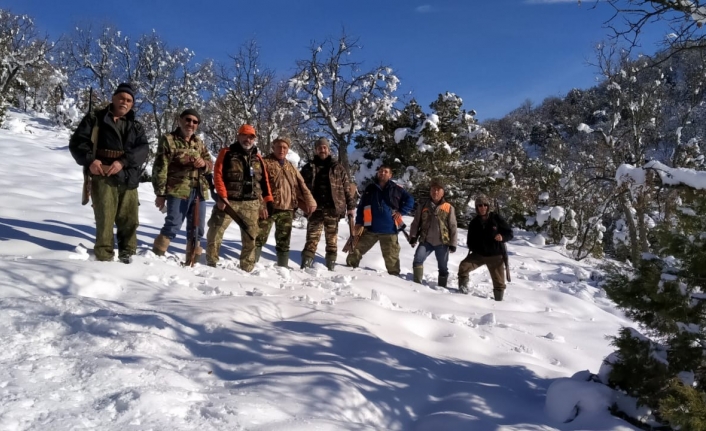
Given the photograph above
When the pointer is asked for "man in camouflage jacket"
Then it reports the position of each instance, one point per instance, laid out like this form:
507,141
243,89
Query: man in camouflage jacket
434,226
328,182
240,181
289,192
180,165
121,148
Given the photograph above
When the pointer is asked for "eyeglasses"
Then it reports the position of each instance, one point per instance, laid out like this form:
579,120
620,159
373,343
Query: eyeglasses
482,205
251,137
190,120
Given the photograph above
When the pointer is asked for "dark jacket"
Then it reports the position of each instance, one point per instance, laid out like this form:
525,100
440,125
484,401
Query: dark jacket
481,235
382,201
330,177
134,146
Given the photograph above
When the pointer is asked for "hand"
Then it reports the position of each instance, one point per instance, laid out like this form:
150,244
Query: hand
413,241
96,168
452,248
351,213
498,237
311,210
115,167
159,202
221,204
199,163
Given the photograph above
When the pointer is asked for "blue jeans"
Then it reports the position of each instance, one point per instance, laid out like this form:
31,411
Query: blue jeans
180,209
442,256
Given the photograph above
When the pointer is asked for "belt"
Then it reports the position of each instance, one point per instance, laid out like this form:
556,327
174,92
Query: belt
110,154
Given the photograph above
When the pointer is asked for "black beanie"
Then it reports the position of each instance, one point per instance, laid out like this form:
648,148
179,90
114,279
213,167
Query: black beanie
125,87
190,111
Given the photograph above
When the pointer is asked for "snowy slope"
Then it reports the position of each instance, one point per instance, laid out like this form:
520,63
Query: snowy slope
154,346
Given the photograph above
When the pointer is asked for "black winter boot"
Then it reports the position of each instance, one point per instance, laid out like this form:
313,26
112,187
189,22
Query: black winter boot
307,260
442,280
498,293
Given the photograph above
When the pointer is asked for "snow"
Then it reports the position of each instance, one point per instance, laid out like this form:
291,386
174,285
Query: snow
153,345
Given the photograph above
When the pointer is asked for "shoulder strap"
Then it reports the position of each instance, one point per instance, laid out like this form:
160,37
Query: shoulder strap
94,138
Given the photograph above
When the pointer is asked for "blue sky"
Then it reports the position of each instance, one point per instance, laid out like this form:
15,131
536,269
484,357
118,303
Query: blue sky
494,54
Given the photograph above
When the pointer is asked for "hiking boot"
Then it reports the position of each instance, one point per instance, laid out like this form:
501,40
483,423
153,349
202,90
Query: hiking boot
498,294
161,244
125,258
418,274
463,285
282,258
442,280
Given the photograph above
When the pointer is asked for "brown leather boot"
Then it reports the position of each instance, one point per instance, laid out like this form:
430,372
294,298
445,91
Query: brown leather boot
161,244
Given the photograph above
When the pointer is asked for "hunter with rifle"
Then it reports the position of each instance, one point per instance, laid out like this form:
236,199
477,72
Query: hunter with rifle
242,185
487,234
379,213
178,177
111,145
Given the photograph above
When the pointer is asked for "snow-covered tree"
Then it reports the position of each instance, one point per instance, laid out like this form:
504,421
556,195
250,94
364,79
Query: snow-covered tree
336,98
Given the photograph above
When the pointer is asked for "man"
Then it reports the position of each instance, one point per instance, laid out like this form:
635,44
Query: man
328,182
380,211
241,182
435,228
289,192
111,145
180,165
486,234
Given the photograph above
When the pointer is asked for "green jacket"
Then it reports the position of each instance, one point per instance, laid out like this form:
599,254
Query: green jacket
173,172
435,224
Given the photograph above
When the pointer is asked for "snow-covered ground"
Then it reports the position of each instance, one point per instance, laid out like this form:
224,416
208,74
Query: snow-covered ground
154,346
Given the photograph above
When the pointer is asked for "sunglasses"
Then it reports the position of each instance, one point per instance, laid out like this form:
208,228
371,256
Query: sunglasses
482,205
191,120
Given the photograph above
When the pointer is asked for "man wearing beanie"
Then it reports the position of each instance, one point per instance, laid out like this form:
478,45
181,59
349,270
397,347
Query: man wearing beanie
112,147
486,234
289,193
178,178
328,182
241,182
434,226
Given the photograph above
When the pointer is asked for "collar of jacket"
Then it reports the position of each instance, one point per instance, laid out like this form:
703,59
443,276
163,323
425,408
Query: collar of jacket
325,162
130,116
237,148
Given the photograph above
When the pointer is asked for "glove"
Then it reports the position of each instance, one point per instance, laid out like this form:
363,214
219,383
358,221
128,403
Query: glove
270,208
413,241
452,248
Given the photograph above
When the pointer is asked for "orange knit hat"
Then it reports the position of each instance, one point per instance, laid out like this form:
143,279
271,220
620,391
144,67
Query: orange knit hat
247,129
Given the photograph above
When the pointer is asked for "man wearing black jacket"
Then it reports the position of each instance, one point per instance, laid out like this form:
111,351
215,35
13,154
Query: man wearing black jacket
487,234
115,164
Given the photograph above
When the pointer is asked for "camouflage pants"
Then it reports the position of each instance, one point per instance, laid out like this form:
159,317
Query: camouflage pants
326,220
219,222
495,264
283,230
389,245
114,205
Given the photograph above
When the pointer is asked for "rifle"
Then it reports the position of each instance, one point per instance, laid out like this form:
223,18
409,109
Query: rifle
400,225
352,242
193,242
244,227
505,261
86,189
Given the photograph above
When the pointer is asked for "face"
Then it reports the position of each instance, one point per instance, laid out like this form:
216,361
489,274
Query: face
482,209
436,193
384,175
246,141
188,124
122,104
322,151
280,150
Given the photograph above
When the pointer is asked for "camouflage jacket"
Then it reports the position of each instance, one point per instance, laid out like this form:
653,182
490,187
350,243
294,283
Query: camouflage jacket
289,191
173,172
435,224
343,197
